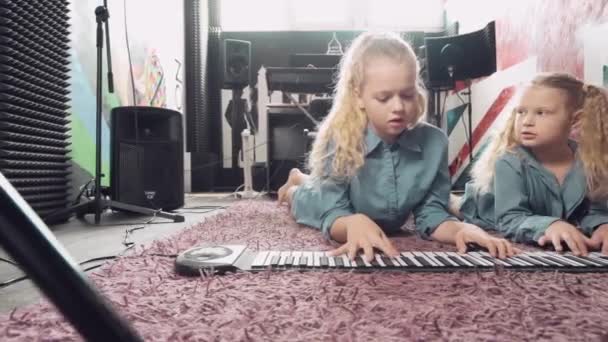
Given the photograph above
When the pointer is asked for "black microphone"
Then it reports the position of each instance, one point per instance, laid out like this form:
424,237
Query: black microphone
108,53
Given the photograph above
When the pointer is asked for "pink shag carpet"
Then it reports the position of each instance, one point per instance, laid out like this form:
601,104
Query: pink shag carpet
327,306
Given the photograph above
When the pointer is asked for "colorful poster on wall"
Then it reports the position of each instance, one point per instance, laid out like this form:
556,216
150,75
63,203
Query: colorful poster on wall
566,36
153,55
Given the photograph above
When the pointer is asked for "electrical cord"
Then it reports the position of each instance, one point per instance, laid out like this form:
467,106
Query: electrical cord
126,242
9,261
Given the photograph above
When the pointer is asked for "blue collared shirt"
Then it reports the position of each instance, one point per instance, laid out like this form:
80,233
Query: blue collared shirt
408,176
527,198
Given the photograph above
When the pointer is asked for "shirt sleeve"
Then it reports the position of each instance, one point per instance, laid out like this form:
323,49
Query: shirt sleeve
597,215
432,210
319,204
514,217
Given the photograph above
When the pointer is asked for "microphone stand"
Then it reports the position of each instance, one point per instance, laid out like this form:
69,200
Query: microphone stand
99,204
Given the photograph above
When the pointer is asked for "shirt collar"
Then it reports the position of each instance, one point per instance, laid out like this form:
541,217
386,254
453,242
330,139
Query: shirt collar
407,139
534,162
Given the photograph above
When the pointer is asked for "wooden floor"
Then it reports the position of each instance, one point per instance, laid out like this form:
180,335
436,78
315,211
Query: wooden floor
84,240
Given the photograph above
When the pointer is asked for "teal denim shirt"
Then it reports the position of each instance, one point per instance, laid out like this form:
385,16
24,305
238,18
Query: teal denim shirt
409,176
527,199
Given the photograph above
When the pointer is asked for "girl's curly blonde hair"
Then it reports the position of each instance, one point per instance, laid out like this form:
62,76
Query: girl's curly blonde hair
338,150
593,134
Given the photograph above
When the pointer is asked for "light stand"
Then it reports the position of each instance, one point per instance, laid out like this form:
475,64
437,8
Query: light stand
247,147
99,204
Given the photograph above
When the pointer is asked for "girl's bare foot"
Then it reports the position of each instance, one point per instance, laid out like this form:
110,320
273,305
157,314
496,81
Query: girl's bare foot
295,177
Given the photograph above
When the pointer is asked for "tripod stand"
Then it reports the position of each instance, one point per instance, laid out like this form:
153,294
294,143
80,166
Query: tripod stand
99,204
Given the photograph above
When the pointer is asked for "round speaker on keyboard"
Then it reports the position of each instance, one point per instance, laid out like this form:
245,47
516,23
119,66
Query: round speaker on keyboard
213,258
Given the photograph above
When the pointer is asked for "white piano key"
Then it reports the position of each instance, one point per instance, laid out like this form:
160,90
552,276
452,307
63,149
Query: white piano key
519,262
533,262
259,259
597,258
400,261
317,258
426,258
584,259
330,260
367,264
539,255
379,260
296,258
598,255
431,255
461,259
565,260
410,256
396,262
346,261
308,256
447,258
498,261
270,256
479,260
283,258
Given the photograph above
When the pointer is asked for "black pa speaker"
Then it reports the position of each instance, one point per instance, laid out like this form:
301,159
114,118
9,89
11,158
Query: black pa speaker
147,157
236,61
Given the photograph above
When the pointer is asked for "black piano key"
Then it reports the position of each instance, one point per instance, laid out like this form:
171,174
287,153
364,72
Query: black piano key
407,261
324,262
303,261
530,260
583,260
458,258
359,262
387,261
556,260
443,260
598,259
457,261
275,260
510,262
601,262
473,261
339,262
423,261
374,262
548,260
490,259
289,260
601,256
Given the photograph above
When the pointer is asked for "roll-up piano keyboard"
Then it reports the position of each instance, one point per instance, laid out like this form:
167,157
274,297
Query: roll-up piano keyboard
232,258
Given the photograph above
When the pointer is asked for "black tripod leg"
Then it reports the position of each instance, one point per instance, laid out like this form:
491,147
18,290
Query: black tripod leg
64,214
146,211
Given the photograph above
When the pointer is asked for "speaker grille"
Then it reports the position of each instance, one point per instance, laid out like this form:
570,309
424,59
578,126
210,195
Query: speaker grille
147,165
34,89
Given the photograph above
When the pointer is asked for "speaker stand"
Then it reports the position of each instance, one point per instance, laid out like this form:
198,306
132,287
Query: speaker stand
99,204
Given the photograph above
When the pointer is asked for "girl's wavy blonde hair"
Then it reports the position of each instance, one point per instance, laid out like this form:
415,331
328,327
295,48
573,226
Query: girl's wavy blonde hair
593,134
338,150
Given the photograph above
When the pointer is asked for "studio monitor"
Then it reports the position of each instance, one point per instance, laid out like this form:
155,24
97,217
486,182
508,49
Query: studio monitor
236,62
